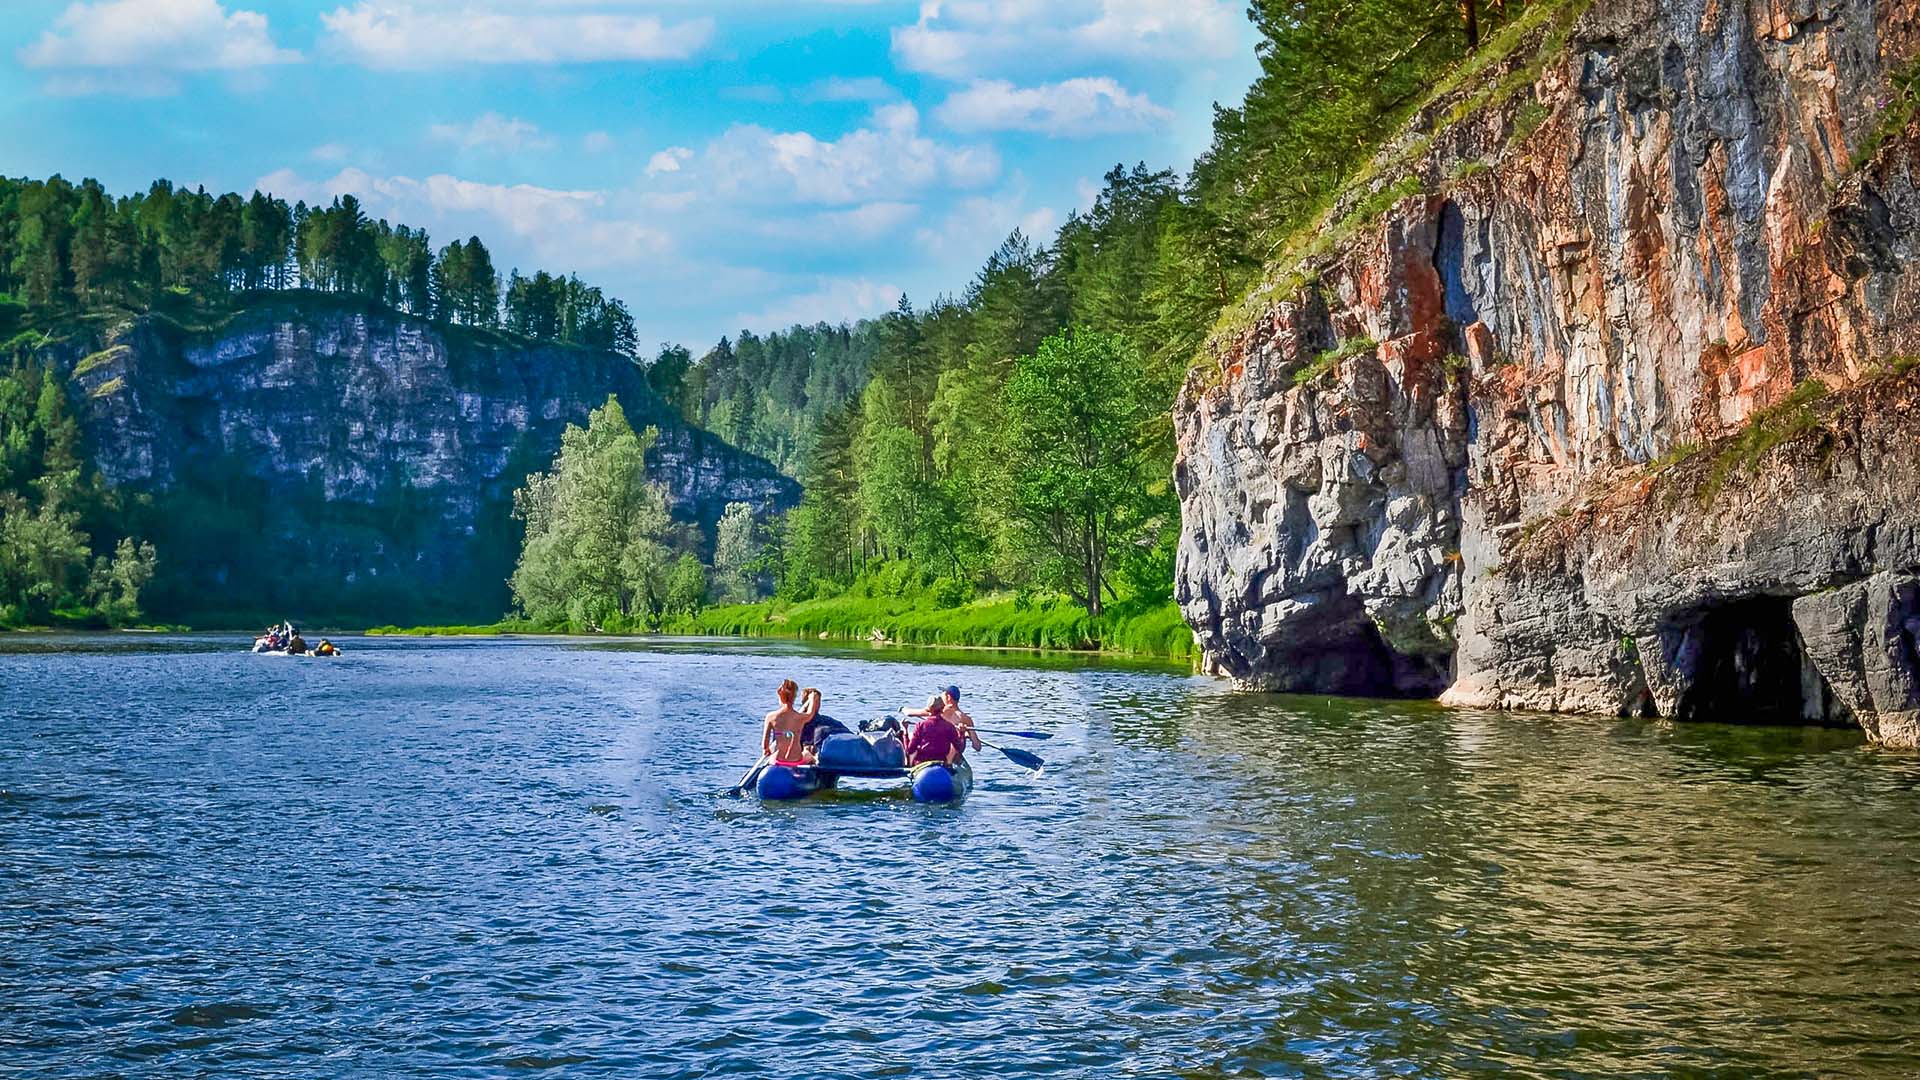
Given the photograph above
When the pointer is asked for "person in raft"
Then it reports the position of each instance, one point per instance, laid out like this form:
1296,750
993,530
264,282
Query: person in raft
949,699
783,736
934,738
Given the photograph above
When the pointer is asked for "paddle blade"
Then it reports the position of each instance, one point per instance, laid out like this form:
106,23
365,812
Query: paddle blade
1022,758
748,780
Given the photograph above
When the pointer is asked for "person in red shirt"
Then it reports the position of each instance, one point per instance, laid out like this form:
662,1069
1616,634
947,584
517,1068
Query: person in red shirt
934,738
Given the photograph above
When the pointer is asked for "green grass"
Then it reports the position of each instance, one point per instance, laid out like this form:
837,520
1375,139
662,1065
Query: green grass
1469,169
1128,627
12,618
95,361
1899,109
1782,422
504,626
1526,120
1132,627
1675,454
1329,359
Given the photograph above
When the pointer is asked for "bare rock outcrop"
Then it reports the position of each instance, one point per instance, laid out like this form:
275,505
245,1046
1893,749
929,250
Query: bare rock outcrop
335,456
1570,448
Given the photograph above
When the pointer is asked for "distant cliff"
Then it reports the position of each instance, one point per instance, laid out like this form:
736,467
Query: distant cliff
328,457
1602,397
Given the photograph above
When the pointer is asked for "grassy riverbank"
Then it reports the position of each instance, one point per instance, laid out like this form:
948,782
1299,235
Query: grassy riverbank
77,620
1129,627
1133,628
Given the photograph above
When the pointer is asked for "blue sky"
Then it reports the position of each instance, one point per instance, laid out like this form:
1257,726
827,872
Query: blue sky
717,165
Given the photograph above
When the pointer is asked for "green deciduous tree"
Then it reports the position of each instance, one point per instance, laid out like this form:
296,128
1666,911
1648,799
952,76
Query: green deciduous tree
1077,435
596,553
686,586
48,563
736,554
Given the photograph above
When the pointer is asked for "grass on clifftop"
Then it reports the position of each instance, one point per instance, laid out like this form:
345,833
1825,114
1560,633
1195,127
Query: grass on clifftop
1390,174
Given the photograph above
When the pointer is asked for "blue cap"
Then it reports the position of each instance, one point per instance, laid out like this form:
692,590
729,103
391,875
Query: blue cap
953,692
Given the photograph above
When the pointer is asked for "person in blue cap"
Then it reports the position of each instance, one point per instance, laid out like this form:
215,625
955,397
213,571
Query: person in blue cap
950,697
960,719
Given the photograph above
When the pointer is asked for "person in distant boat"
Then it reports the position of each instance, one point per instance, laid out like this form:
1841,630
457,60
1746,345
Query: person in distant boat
949,700
783,737
326,648
296,645
934,738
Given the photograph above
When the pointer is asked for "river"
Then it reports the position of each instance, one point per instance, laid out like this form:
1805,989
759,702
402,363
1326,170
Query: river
480,858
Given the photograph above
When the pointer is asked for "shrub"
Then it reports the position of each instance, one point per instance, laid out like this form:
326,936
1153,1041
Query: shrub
1326,361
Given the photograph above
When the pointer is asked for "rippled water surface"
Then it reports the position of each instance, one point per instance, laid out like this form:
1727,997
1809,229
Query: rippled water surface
483,858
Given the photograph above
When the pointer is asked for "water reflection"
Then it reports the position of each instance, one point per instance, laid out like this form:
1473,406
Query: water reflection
490,856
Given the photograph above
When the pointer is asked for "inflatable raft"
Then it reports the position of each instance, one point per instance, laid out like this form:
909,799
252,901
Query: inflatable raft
869,756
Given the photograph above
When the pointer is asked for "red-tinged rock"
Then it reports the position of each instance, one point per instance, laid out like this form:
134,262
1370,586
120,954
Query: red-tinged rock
1646,278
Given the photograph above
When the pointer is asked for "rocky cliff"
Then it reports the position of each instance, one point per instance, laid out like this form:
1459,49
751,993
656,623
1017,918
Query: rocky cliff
325,456
1615,413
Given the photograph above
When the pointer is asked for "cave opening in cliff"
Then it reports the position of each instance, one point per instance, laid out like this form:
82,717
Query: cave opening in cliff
1354,659
1744,663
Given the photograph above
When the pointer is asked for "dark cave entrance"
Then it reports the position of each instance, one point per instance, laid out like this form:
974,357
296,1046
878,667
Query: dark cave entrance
1743,663
1354,660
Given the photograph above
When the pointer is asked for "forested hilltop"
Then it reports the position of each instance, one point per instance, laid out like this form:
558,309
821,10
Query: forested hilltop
1002,447
997,449
267,396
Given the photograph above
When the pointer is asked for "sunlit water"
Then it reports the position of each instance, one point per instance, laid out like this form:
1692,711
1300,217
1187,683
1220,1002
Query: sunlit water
486,858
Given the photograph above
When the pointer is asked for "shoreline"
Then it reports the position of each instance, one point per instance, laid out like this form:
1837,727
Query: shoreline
981,628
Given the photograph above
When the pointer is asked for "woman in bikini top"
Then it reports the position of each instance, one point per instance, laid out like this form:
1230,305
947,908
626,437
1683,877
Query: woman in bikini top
781,737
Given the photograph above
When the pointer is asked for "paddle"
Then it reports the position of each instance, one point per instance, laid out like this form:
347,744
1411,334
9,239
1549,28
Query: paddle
1017,734
1018,757
747,780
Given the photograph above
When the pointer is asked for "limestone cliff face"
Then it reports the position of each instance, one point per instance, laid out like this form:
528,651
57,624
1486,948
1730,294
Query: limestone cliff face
1581,462
373,452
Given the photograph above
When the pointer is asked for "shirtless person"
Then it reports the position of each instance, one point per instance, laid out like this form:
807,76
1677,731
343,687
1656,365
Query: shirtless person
950,698
781,737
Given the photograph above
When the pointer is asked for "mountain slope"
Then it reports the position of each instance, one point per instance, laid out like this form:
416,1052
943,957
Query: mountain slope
334,457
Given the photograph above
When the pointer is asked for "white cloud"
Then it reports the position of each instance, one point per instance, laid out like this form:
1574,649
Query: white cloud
757,93
491,131
884,160
668,160
831,300
567,229
330,153
841,228
836,88
1076,107
400,36
596,142
125,44
966,39
124,83
974,227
